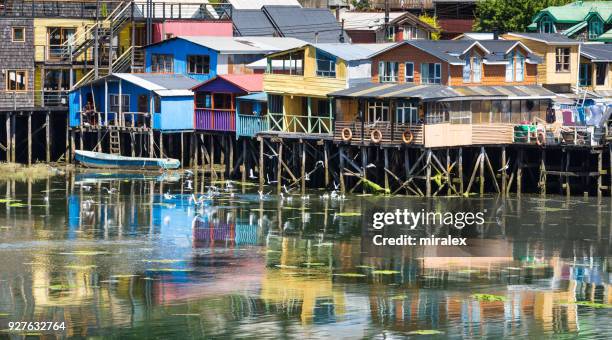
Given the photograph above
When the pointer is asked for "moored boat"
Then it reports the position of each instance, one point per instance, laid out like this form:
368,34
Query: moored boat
93,159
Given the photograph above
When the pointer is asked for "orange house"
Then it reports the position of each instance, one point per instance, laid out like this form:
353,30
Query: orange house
443,93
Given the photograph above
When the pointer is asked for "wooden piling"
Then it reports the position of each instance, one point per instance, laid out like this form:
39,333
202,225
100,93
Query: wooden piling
151,143
364,164
460,169
47,137
303,168
182,148
386,155
326,162
600,172
504,174
519,172
428,174
543,173
279,167
7,123
481,178
341,170
261,163
568,189
29,138
13,138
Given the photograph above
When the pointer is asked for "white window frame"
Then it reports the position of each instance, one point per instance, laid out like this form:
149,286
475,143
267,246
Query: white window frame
377,111
519,66
113,100
383,77
406,111
408,78
410,33
437,76
510,68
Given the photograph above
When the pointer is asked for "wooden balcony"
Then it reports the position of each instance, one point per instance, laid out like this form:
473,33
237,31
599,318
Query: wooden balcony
215,120
135,121
250,125
300,124
390,135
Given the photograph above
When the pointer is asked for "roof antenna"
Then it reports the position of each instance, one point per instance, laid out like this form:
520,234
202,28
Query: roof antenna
342,32
316,37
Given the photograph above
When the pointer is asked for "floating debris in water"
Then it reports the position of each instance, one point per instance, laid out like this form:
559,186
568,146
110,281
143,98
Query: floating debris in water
59,287
488,297
78,267
348,214
109,281
399,297
119,276
170,269
164,261
385,272
425,332
589,304
85,253
314,264
285,266
185,314
350,275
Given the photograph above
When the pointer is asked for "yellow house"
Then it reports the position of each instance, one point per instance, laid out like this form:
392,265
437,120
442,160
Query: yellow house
298,81
596,68
559,70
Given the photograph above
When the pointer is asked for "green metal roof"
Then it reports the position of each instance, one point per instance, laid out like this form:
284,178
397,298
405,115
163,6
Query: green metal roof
606,37
574,29
577,11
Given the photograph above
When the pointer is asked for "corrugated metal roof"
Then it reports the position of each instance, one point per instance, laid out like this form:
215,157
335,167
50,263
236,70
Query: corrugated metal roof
241,45
174,93
247,82
578,11
309,24
252,22
441,92
597,52
163,84
257,4
350,52
257,97
547,38
366,20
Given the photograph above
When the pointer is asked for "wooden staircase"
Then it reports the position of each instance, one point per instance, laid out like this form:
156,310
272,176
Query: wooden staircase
115,142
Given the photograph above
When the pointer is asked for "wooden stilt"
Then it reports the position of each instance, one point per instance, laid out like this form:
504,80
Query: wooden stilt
261,163
213,173
196,150
326,162
481,178
460,169
7,123
230,162
29,138
428,174
519,172
47,137
191,149
243,170
99,140
303,168
151,144
13,138
341,170
600,173
81,139
364,165
279,168
182,148
407,165
72,145
504,174
568,188
386,155
543,173
162,153
448,173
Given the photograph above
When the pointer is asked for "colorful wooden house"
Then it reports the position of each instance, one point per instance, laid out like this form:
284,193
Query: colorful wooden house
369,27
204,57
443,93
125,100
596,68
298,81
582,20
218,107
559,68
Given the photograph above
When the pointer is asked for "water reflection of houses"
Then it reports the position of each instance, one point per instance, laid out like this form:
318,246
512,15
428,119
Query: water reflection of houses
226,227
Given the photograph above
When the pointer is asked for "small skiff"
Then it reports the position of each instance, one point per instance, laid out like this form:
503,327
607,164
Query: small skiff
102,160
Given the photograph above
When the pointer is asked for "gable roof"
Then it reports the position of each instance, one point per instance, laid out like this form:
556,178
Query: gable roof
597,52
252,22
257,4
352,52
164,84
309,24
247,82
547,38
238,45
577,11
450,51
373,21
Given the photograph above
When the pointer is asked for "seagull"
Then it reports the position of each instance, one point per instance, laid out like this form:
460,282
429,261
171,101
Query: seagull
285,189
261,195
370,166
305,198
324,196
269,181
189,187
109,191
168,196
86,187
189,173
336,186
505,166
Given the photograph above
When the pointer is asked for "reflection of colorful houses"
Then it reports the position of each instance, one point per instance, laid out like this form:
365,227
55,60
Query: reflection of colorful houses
217,231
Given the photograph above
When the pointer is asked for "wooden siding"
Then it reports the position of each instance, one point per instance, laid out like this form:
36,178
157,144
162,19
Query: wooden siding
309,84
16,56
547,74
390,135
494,133
408,53
40,33
494,75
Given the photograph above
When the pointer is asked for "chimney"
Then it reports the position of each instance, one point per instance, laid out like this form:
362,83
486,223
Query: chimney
495,34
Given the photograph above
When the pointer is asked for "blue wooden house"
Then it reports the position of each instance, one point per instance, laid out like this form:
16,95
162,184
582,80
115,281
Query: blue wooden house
163,102
204,57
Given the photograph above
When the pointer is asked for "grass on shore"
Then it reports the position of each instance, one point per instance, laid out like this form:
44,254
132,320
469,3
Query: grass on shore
20,172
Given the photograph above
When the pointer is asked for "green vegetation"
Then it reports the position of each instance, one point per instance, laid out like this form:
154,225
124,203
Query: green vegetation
488,297
425,332
509,16
433,22
19,172
361,5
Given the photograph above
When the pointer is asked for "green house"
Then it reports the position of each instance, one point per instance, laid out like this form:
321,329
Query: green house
582,20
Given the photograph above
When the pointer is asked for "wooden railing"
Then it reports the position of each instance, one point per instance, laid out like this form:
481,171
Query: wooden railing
390,134
114,119
215,120
300,124
250,125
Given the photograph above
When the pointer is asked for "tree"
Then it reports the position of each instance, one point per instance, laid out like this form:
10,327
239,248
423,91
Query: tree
361,5
509,15
433,22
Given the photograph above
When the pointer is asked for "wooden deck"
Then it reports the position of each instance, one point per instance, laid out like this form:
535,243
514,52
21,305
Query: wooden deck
391,135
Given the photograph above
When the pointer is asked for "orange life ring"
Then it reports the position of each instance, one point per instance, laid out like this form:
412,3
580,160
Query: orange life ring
407,136
347,134
541,141
376,136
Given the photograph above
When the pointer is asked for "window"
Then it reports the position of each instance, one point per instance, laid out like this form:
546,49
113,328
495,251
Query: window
437,112
467,70
406,113
161,63
515,68
18,34
222,101
16,80
289,63
197,64
595,27
114,103
409,72
275,103
431,73
410,33
584,75
57,37
326,65
600,74
202,100
378,112
390,33
546,25
562,59
460,113
156,104
388,71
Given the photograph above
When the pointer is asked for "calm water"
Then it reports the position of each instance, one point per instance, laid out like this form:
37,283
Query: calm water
140,264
